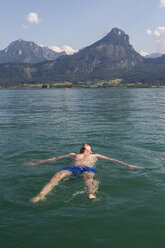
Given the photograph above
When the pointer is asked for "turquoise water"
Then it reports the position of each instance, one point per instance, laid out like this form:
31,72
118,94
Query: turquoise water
126,124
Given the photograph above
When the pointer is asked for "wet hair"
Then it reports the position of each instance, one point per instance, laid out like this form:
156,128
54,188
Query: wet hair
82,149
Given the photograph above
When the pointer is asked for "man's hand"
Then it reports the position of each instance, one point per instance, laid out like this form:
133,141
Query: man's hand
32,163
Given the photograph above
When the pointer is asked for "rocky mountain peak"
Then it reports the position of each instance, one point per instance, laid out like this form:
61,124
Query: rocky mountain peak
110,54
116,36
27,52
118,32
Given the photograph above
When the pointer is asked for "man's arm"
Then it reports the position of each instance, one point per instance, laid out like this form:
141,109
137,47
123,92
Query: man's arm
117,161
51,159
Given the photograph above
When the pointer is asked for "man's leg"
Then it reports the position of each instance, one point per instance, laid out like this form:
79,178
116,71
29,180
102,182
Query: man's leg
92,185
53,182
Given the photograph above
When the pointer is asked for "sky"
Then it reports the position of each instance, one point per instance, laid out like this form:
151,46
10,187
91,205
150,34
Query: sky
73,24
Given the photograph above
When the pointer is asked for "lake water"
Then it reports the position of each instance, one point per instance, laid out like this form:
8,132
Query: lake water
126,124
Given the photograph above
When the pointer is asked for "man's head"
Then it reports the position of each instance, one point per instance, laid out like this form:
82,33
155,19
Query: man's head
86,149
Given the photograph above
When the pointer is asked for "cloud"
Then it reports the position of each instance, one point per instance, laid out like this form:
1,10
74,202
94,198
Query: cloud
162,4
159,38
56,49
149,31
142,53
33,18
156,33
69,50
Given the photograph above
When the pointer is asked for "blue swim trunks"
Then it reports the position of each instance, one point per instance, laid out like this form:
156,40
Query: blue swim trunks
76,170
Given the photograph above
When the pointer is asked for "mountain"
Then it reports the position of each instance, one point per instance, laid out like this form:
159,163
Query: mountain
27,52
153,55
101,60
148,73
110,58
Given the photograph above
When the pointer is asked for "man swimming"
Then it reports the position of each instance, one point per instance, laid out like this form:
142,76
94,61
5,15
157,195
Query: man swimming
82,163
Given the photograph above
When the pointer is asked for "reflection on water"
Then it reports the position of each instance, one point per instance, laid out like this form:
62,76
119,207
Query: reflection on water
127,124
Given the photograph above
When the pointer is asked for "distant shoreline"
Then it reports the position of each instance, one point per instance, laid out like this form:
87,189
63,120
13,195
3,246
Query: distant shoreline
79,87
113,83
